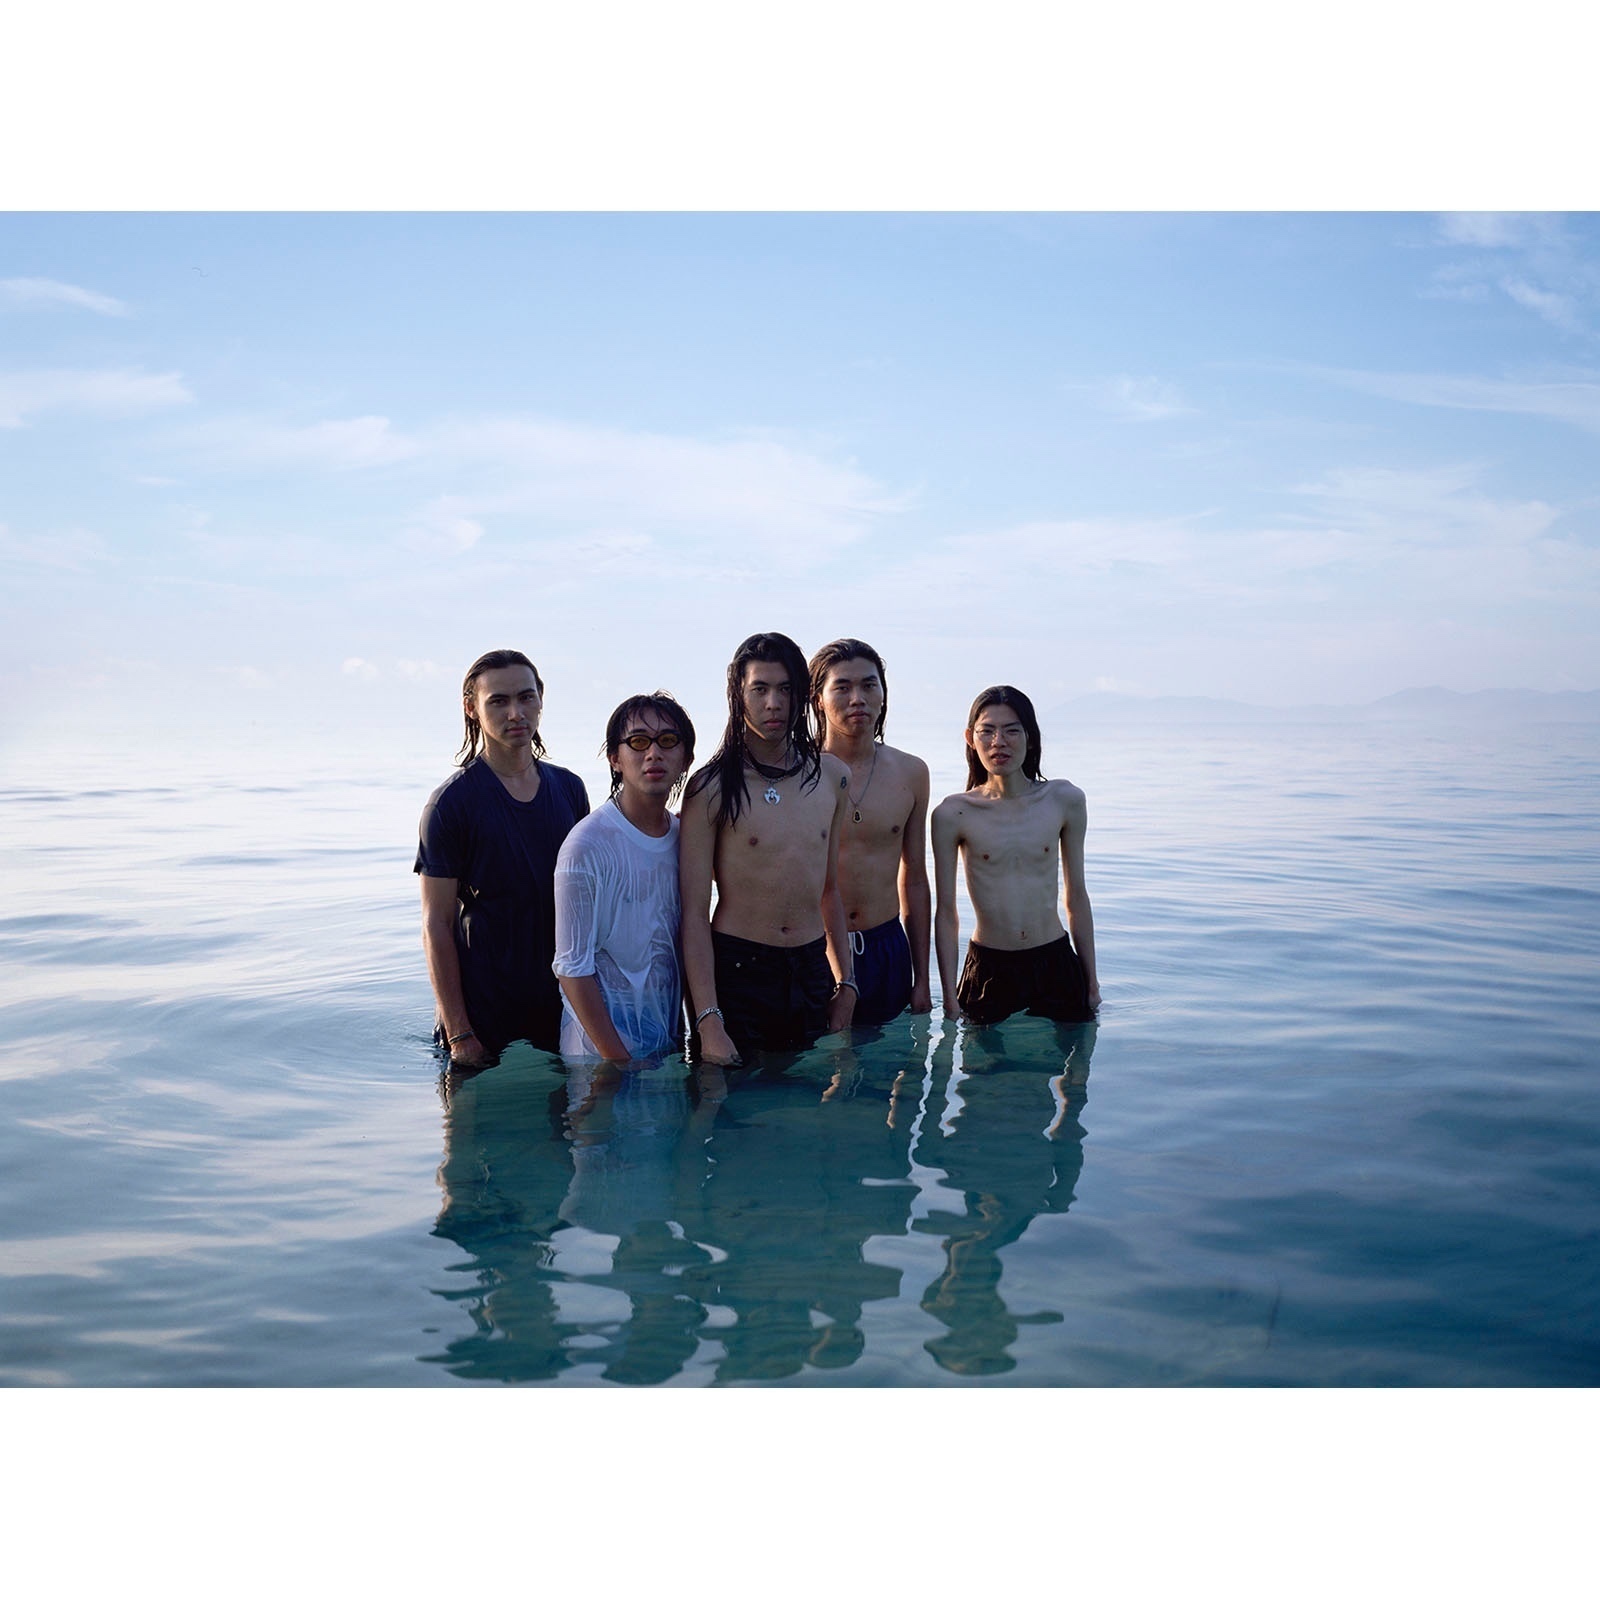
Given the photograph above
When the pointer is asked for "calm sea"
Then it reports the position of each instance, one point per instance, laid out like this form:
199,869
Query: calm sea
1338,1125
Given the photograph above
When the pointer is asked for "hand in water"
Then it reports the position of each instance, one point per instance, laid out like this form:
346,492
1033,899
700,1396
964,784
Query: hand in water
715,1045
468,1052
841,1009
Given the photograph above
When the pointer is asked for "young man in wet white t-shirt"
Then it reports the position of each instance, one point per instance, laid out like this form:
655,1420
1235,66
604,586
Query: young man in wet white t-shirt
616,886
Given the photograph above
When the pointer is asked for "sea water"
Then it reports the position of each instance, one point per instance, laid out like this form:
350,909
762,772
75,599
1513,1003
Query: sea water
1338,1123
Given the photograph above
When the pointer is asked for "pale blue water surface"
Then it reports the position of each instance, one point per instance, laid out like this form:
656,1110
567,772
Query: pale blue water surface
1338,1124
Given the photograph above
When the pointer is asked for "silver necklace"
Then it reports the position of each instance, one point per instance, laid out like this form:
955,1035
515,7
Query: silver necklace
871,774
772,775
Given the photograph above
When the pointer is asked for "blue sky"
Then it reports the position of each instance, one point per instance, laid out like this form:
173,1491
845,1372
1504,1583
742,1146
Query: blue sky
256,464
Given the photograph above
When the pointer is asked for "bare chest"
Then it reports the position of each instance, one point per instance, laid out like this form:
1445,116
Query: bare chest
1000,842
784,824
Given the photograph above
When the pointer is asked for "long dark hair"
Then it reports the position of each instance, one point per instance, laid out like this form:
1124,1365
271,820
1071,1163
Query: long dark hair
1002,694
828,657
487,662
663,705
727,761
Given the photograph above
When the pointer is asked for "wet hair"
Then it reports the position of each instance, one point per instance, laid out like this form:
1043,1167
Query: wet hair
1002,694
727,761
828,657
487,662
664,706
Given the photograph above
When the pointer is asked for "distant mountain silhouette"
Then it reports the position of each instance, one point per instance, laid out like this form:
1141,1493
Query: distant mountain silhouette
1498,706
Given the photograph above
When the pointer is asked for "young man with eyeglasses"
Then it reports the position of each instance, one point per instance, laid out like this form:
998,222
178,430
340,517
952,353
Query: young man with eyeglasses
1008,827
616,888
773,969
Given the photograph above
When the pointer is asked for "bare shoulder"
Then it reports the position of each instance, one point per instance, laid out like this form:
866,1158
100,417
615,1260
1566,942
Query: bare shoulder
703,793
951,812
835,774
1070,799
911,769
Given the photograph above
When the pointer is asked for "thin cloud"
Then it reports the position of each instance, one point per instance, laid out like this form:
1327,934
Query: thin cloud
773,490
1559,309
61,552
48,292
1574,401
339,444
1143,399
1433,507
538,479
117,393
1490,230
1530,258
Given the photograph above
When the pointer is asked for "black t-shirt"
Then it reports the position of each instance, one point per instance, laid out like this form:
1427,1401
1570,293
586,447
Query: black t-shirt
502,854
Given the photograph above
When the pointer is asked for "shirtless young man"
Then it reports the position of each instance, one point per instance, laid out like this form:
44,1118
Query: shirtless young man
617,894
1008,827
883,867
762,819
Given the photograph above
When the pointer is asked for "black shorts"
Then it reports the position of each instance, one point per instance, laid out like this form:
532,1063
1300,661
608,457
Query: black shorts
1046,981
497,1027
773,997
883,971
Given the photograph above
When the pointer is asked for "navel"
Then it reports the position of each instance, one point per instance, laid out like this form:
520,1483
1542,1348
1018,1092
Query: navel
754,840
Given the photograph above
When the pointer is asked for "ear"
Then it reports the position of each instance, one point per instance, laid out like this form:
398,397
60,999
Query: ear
967,735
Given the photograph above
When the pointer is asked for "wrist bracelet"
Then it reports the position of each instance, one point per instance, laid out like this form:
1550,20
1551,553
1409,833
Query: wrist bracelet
710,1011
456,1038
847,983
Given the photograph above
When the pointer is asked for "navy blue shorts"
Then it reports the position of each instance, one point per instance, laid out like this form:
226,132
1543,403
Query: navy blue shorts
883,970
1046,981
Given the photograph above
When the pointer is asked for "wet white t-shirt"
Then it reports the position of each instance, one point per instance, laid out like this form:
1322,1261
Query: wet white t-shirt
617,921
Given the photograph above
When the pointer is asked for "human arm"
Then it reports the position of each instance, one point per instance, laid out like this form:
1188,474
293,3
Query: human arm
946,919
589,1007
916,902
835,925
1080,915
697,849
577,892
444,968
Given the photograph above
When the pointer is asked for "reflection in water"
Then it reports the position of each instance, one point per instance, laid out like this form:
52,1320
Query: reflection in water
659,1220
1010,1143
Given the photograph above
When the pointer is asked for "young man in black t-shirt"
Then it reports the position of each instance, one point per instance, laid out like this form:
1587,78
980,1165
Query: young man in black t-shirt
487,851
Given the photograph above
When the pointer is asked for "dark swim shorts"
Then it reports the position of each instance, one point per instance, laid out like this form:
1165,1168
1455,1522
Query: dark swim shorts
1046,981
773,997
883,971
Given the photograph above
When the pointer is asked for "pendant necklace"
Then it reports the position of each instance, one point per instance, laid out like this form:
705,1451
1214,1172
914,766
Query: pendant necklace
871,774
774,776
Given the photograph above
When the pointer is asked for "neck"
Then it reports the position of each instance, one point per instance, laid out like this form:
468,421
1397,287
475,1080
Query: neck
506,760
1007,787
645,812
852,747
774,753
